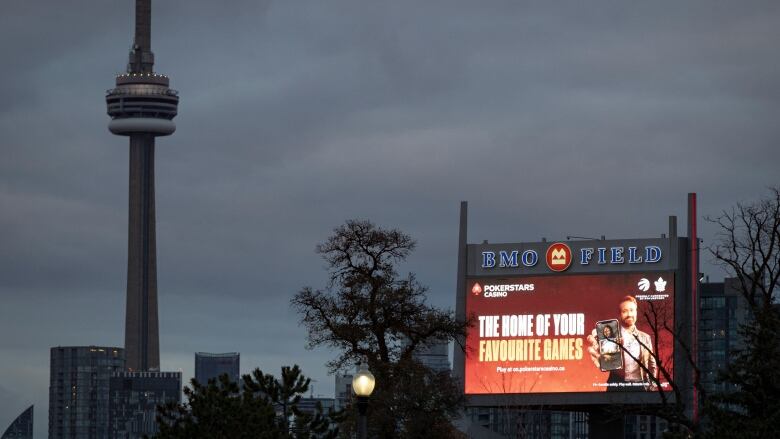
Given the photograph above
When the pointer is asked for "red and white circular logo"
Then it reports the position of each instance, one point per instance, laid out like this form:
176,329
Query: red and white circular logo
476,289
558,256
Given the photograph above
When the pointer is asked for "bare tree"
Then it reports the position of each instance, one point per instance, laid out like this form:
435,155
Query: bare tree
673,402
749,249
671,393
367,312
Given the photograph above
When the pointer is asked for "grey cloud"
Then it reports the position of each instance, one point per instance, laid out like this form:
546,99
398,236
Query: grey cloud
551,119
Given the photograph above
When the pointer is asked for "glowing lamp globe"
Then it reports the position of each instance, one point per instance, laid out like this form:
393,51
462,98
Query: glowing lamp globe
363,382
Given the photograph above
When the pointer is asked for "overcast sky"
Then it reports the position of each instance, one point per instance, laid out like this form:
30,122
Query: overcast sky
550,118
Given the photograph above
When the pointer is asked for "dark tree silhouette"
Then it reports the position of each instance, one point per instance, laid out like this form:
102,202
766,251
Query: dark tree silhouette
368,313
749,249
264,408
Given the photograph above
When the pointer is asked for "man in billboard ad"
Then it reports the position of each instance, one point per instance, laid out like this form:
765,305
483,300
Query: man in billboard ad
569,333
633,365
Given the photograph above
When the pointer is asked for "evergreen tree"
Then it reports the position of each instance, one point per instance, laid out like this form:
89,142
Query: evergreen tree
264,408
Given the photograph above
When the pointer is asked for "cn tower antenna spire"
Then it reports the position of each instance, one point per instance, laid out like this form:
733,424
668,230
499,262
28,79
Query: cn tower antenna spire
141,56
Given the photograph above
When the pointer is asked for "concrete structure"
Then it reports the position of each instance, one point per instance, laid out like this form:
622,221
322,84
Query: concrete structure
722,311
142,107
644,427
343,394
21,427
309,405
133,400
512,422
211,366
78,390
433,355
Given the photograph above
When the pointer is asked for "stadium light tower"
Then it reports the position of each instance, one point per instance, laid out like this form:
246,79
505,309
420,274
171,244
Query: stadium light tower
142,107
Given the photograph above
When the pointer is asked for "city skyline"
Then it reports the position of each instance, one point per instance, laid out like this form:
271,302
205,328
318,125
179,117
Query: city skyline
300,116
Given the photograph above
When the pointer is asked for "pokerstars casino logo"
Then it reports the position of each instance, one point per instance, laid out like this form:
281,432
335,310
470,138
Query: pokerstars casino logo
558,257
500,290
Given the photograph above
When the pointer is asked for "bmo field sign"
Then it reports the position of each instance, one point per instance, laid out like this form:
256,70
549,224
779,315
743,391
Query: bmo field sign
573,322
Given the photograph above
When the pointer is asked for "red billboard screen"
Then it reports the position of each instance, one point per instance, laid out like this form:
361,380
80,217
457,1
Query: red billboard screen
569,333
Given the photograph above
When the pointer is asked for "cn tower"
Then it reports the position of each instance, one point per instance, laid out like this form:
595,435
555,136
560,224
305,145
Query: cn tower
142,107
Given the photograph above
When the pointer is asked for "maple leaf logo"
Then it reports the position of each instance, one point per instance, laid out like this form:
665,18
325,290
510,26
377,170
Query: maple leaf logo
644,284
660,285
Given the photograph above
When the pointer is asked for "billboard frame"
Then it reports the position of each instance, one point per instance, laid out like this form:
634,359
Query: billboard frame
679,256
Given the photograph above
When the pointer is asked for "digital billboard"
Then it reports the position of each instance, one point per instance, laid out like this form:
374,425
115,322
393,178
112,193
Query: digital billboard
569,333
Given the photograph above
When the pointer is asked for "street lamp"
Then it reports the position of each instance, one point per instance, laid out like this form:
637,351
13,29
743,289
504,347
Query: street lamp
363,384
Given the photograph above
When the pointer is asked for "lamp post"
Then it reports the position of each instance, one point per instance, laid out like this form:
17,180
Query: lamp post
363,384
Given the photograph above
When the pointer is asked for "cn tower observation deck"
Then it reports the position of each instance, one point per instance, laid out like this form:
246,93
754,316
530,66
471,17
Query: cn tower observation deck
142,103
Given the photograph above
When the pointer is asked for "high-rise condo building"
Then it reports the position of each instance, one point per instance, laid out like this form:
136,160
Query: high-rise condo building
78,391
210,366
21,427
133,400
